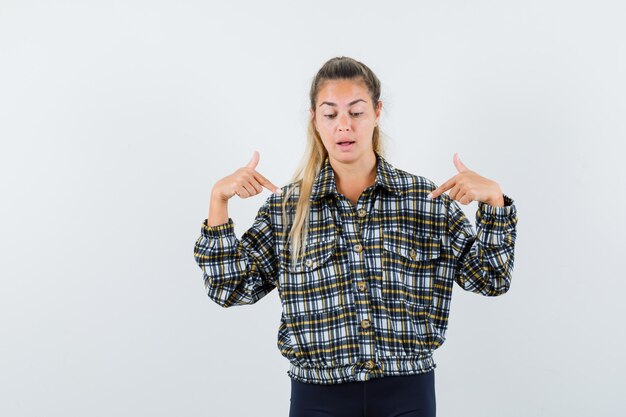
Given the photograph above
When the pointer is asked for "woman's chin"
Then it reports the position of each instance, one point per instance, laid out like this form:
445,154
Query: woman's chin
344,156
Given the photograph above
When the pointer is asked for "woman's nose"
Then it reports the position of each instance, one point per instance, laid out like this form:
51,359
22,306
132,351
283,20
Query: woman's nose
344,122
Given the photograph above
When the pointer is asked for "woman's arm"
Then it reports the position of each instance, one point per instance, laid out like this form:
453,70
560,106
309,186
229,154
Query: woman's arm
485,258
238,271
218,211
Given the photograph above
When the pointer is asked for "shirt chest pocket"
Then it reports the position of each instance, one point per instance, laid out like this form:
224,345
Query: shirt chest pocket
316,282
409,264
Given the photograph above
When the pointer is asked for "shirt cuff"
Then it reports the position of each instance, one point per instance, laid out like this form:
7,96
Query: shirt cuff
488,214
220,230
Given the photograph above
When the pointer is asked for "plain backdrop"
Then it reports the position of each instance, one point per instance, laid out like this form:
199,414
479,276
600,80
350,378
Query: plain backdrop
117,117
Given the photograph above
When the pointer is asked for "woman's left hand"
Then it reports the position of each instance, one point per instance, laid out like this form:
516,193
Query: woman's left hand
468,186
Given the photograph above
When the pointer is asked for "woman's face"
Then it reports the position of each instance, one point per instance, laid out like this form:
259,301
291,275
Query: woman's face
345,119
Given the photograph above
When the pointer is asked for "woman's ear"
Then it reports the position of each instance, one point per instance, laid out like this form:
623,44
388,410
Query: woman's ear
312,116
379,106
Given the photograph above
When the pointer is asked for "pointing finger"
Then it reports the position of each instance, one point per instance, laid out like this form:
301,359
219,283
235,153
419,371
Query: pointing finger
267,183
442,188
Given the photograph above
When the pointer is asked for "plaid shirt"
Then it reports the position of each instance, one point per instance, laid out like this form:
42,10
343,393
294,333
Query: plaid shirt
371,296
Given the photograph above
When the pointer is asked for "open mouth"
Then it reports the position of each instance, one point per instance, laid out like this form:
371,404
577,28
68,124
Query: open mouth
345,146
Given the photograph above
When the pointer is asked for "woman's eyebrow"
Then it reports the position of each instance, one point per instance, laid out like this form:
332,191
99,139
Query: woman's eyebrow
335,105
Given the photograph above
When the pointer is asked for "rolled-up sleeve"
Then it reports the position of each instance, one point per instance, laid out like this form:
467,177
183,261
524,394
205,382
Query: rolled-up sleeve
484,260
238,271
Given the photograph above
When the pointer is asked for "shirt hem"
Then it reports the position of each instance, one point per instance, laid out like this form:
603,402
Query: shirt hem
391,366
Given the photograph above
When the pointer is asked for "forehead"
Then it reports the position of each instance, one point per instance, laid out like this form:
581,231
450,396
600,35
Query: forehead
342,92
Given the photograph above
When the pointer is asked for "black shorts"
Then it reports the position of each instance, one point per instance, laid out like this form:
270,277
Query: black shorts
389,396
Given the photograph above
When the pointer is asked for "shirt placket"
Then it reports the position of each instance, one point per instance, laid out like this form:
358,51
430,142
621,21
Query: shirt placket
355,224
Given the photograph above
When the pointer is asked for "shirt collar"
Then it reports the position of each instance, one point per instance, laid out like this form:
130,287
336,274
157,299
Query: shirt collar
386,177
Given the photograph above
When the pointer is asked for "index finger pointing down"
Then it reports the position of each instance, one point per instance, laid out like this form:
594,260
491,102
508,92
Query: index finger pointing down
441,189
267,183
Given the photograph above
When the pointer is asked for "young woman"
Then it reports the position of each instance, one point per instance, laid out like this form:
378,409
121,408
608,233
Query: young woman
364,256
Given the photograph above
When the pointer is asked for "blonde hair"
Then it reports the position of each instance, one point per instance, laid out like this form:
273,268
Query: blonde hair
315,153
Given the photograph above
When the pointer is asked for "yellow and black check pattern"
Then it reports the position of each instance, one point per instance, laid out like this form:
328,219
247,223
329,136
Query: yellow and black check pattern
371,296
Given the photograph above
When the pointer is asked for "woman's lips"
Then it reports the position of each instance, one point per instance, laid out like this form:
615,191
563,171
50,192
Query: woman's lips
344,146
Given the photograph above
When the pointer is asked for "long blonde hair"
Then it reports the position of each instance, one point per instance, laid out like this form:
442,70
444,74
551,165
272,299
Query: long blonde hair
315,153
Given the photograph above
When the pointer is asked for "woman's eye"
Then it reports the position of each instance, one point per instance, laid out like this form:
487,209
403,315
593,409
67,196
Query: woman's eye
330,116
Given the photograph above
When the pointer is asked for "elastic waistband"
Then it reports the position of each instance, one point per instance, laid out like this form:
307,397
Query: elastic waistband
400,365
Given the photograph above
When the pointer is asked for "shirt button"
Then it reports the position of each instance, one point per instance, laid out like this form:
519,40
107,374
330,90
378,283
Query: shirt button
361,286
361,213
413,254
309,263
370,364
365,323
358,247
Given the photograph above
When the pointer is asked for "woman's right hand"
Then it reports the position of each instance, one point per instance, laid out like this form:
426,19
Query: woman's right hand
245,182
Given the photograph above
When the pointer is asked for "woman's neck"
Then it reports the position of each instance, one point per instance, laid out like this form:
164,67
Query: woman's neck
355,177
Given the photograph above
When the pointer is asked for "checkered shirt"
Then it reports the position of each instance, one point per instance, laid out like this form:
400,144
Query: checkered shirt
371,296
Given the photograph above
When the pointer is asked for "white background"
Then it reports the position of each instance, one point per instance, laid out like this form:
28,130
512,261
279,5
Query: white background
117,117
